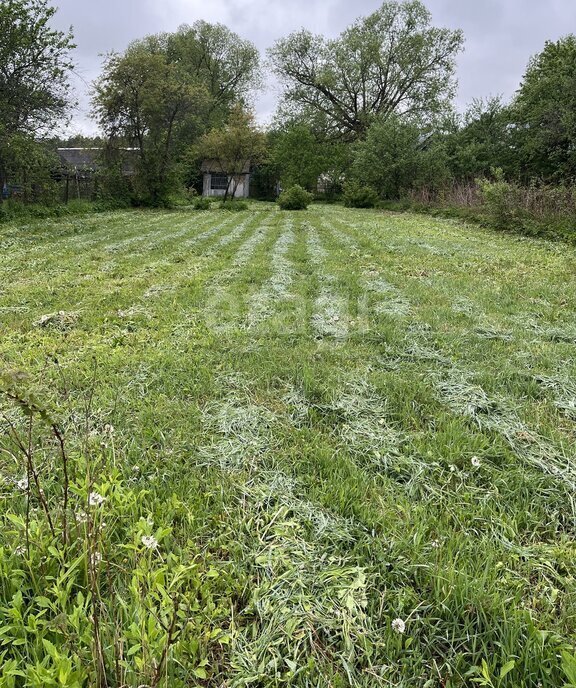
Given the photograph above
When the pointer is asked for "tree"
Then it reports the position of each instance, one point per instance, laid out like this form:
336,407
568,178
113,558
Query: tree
545,113
391,62
397,156
234,147
301,155
143,101
482,140
34,67
165,91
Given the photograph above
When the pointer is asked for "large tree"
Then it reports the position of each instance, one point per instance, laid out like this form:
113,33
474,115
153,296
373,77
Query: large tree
34,67
391,62
166,90
545,113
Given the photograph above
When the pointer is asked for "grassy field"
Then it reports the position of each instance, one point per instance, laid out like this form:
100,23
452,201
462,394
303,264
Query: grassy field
329,448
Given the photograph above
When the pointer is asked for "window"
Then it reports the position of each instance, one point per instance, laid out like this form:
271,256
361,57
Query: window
218,181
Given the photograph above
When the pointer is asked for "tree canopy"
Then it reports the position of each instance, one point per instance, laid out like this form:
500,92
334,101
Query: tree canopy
391,62
545,113
34,89
35,64
164,91
234,147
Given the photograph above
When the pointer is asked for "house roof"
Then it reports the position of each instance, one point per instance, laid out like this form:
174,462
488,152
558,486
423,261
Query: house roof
92,158
80,157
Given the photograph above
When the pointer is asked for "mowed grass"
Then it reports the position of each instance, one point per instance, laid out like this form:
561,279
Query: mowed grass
304,427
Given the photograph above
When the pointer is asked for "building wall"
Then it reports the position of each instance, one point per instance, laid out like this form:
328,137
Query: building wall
242,190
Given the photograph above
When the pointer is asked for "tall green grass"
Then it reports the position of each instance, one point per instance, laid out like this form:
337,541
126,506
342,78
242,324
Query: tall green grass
327,448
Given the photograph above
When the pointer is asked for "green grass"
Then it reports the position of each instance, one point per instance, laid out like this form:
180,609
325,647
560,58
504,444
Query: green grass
326,420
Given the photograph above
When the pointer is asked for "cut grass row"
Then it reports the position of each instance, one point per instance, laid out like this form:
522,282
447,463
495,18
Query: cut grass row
344,418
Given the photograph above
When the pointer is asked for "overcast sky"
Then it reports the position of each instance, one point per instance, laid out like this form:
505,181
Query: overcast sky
500,35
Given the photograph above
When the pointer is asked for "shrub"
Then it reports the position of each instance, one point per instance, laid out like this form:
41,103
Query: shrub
234,205
504,204
201,203
295,198
356,196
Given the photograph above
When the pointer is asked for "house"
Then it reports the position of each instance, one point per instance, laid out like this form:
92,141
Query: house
78,167
216,180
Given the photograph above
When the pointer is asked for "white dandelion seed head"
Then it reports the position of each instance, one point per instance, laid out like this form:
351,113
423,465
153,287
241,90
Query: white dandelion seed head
475,461
96,499
22,484
149,541
398,626
95,558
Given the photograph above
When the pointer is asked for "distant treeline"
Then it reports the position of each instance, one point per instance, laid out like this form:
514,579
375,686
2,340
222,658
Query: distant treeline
367,117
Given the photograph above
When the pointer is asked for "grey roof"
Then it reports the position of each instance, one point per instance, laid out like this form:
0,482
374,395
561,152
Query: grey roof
83,158
92,158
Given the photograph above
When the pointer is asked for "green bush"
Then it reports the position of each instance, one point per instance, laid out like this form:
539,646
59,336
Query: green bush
201,203
356,196
234,205
295,198
503,203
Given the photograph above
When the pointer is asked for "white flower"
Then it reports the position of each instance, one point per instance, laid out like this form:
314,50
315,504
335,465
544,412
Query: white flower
136,469
452,468
22,484
96,499
435,544
109,429
81,516
149,541
475,461
20,550
398,626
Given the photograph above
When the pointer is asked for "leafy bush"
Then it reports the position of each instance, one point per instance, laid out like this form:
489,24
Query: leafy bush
356,196
503,202
234,205
201,203
295,198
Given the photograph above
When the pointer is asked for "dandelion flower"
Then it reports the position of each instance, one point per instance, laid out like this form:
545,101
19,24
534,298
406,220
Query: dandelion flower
149,541
96,499
398,626
475,461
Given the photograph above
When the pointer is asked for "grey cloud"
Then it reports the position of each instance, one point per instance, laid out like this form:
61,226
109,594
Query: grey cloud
501,35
